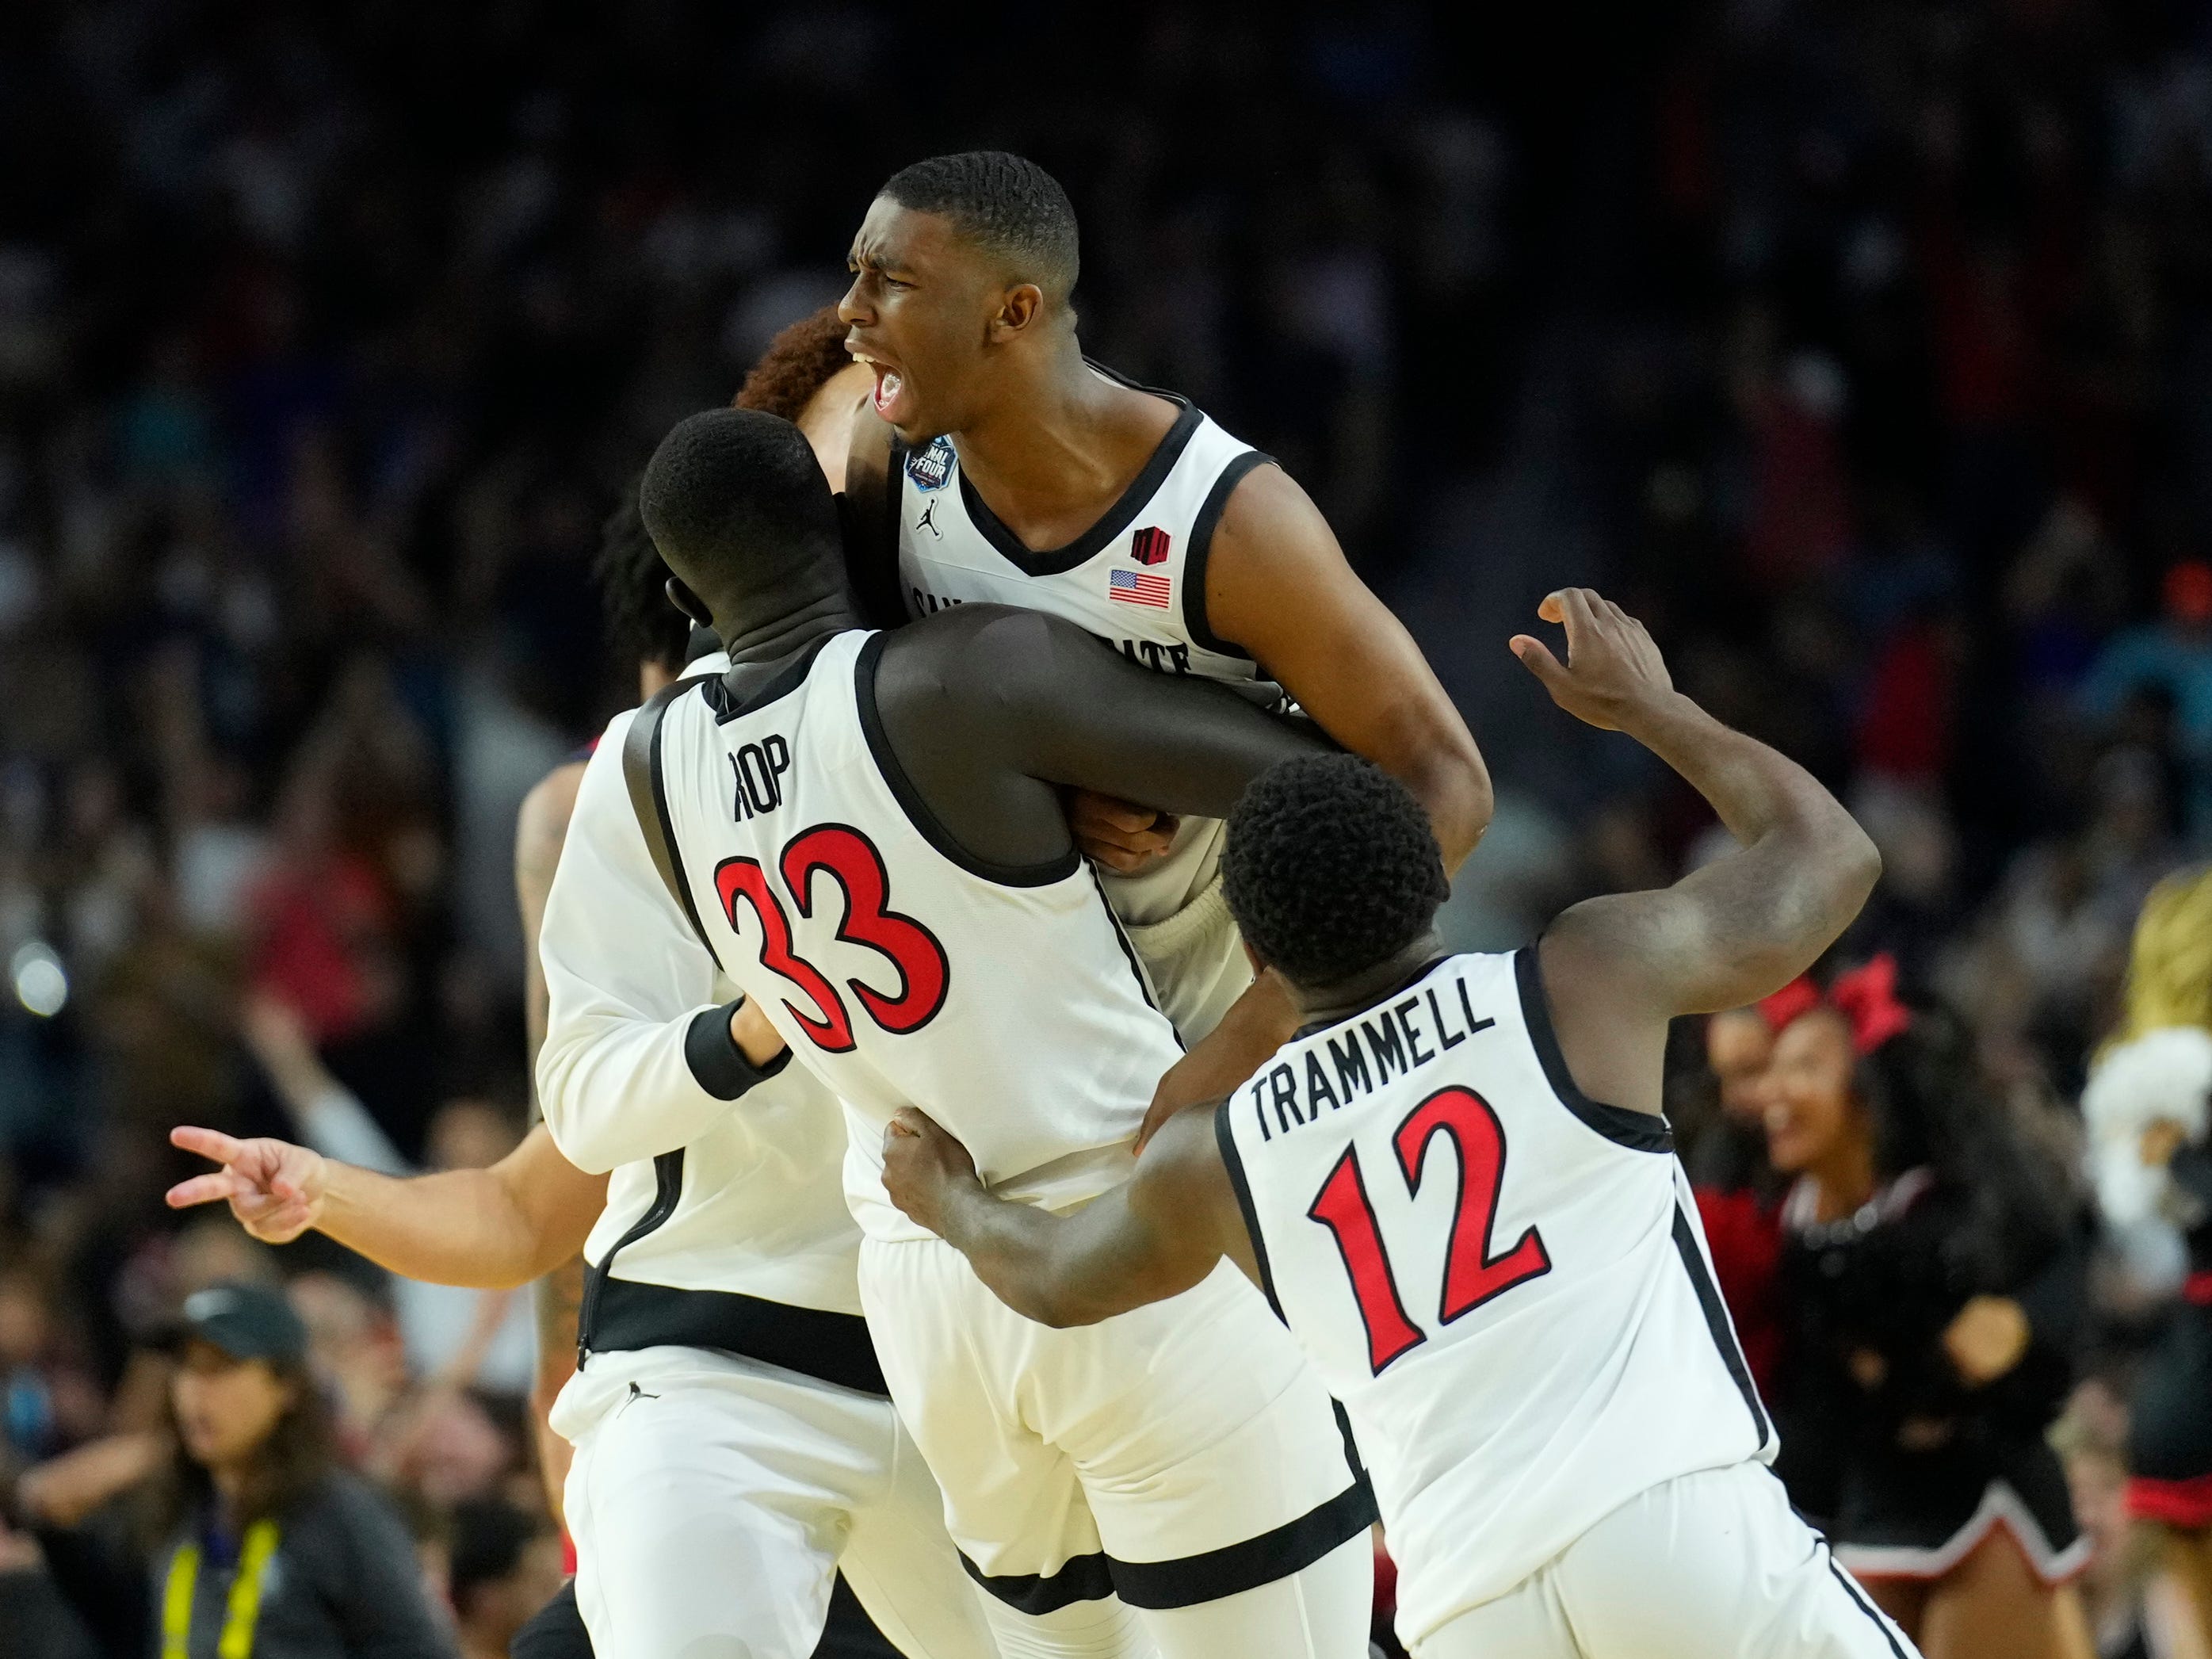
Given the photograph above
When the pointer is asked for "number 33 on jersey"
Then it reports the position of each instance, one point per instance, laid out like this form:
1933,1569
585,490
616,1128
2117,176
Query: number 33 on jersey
876,946
1503,1280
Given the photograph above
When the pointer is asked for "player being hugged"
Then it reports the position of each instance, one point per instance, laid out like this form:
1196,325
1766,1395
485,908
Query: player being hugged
1456,1187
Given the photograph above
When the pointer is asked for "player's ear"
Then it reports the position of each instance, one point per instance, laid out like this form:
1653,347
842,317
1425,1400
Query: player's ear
687,602
1018,310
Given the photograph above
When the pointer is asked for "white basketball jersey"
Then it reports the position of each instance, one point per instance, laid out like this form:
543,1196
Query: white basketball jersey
1504,1282
1137,580
1005,1004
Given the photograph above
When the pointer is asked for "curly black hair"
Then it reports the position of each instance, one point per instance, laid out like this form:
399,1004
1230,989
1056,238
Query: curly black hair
642,626
1330,868
799,362
1006,204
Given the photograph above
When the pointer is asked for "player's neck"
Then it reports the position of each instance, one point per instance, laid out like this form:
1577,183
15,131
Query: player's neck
1325,1005
759,652
1059,445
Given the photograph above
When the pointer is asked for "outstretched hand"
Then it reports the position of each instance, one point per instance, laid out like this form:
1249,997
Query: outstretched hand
272,1186
1613,671
923,1166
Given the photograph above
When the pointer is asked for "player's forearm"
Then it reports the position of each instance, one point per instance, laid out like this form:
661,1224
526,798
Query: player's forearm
1453,784
1025,1256
457,1227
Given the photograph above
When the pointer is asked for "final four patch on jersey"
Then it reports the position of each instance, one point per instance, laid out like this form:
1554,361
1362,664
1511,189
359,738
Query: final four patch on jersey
929,468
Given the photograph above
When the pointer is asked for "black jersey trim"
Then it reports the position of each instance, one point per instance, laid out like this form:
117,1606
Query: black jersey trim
668,1190
830,1347
1859,1600
1640,1132
918,812
729,703
1189,1580
1201,548
1055,560
1231,1160
648,796
1129,954
1716,1323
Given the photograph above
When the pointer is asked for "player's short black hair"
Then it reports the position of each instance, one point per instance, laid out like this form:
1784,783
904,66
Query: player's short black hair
737,506
1004,202
1330,868
642,626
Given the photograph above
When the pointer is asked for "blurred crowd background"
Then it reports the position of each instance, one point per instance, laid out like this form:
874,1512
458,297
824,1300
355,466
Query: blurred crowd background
1863,348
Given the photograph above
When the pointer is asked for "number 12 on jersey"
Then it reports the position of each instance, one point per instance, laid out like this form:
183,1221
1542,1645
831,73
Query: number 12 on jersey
1473,1274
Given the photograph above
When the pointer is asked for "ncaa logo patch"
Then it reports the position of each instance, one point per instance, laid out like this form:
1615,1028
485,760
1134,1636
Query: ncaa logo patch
929,468
1149,546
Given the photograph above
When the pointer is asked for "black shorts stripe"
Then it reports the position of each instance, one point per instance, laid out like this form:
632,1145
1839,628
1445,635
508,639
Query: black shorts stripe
1189,1580
1859,1600
1716,1321
667,1193
1129,951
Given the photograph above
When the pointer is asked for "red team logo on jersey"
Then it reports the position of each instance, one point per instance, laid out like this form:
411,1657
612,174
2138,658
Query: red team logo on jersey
1149,546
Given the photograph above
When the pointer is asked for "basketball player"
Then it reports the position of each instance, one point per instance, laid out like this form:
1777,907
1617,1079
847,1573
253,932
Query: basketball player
1000,465
1456,1186
735,1446
865,831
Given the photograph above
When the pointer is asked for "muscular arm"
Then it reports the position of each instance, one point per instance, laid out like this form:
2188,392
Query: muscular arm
1278,587
1154,1236
987,708
494,1228
1617,969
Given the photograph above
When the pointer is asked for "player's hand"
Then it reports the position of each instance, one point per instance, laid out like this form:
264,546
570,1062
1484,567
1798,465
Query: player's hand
1986,1340
923,1166
1612,669
272,1186
1118,834
759,1042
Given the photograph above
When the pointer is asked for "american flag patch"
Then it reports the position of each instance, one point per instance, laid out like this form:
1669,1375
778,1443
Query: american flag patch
1137,588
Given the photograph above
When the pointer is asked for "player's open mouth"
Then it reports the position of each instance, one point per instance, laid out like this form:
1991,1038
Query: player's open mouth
891,385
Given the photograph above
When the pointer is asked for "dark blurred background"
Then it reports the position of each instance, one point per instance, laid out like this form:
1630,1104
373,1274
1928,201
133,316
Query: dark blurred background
1864,348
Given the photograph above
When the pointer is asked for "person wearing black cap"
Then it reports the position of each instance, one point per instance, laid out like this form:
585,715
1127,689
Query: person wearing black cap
261,1546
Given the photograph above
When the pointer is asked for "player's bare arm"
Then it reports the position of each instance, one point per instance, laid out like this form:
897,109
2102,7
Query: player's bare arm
556,1299
989,708
1155,1235
1617,969
1278,585
494,1227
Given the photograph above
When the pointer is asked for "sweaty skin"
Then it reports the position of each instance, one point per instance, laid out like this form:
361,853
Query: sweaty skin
1615,969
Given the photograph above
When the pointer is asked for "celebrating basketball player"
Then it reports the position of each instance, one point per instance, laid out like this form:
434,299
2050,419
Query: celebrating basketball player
864,831
1006,468
1456,1186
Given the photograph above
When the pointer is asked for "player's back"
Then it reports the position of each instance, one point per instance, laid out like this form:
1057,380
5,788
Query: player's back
903,970
1503,1281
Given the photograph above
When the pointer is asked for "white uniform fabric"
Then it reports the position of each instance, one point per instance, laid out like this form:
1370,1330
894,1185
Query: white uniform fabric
1503,1282
1137,580
709,1518
711,1500
1710,1566
1008,1006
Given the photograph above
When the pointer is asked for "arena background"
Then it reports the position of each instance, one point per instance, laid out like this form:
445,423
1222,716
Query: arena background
1864,348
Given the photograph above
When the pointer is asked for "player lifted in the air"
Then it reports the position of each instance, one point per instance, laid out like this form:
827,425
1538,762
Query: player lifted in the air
1007,469
1456,1186
865,831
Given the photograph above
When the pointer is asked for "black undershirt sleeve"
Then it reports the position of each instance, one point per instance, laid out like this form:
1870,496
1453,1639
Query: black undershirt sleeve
990,711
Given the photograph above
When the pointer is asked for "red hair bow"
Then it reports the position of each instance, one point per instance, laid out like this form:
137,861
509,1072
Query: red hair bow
1866,997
